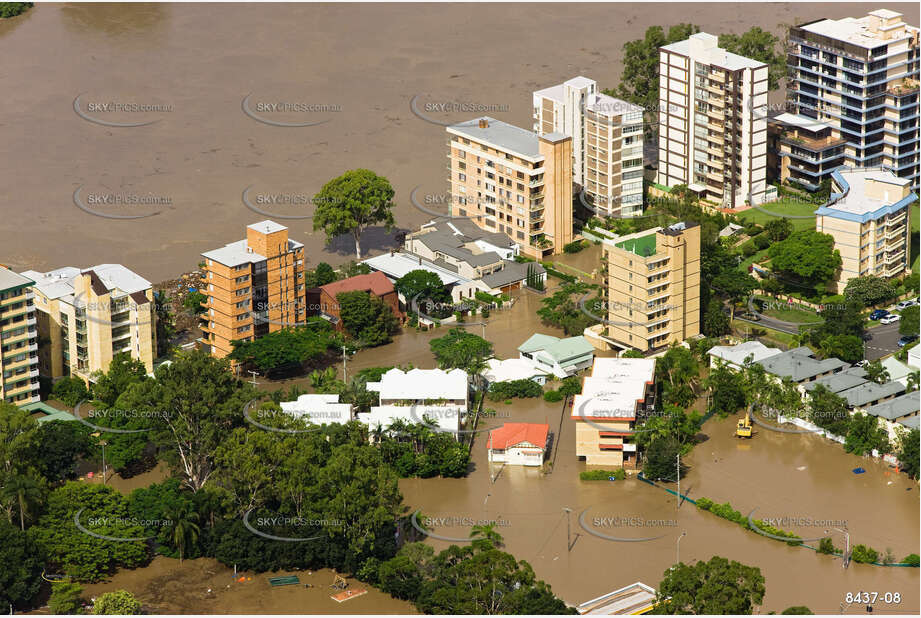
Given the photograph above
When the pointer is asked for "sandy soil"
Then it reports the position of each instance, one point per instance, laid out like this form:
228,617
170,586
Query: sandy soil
202,60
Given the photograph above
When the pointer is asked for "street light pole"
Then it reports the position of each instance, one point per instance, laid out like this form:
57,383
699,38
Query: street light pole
105,469
678,475
568,511
678,547
847,544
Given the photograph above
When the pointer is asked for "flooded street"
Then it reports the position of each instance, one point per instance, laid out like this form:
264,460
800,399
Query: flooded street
193,64
528,508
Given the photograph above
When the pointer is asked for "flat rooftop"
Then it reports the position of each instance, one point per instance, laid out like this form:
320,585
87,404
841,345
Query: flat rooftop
712,54
802,122
854,203
644,246
501,136
856,30
10,279
610,106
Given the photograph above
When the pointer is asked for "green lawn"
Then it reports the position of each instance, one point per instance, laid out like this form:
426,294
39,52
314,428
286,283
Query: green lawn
777,310
785,206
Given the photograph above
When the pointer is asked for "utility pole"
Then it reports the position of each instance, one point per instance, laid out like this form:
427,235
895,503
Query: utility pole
678,475
568,512
103,444
678,547
254,374
345,375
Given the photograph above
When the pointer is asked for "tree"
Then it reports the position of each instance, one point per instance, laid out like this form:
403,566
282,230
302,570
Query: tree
12,9
908,451
864,435
639,83
165,323
876,372
350,203
70,391
759,45
193,302
19,453
366,317
118,602
869,290
422,285
678,372
66,598
661,459
807,256
286,348
908,323
839,319
123,372
485,536
321,275
827,410
718,586
196,401
848,348
727,394
26,492
21,563
63,442
778,229
561,310
184,529
461,350
736,285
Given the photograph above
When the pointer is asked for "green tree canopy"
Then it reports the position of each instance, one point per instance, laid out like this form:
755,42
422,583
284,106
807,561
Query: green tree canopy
778,229
352,202
869,290
718,586
806,256
422,285
759,45
909,451
21,563
864,434
367,318
286,348
908,322
117,602
461,350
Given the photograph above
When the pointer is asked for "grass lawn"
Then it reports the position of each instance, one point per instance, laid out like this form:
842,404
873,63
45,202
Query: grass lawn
770,335
777,309
785,206
758,257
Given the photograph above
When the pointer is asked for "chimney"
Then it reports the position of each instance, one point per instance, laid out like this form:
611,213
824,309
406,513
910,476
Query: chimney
484,123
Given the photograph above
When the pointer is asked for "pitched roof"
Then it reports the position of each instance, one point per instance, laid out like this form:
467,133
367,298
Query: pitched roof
377,283
559,349
736,354
421,384
842,381
799,364
513,434
897,408
870,392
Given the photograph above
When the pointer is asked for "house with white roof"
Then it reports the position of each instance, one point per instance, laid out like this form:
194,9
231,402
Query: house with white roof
561,357
87,316
319,409
914,357
735,356
429,396
897,370
513,369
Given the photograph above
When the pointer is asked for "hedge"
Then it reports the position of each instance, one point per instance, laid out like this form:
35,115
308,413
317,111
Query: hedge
602,475
514,388
553,396
727,512
559,275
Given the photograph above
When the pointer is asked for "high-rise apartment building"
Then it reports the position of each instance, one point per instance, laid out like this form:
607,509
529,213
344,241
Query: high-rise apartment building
859,76
712,122
651,288
87,316
511,180
868,218
607,143
18,340
254,286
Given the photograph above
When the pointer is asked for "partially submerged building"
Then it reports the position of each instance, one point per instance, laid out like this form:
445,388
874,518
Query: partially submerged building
523,444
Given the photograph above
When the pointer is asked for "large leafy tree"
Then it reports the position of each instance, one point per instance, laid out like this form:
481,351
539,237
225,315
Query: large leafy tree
20,452
735,285
62,443
909,451
678,372
352,202
123,372
367,318
869,290
20,567
286,348
196,401
461,350
422,285
908,322
718,586
865,435
661,459
715,322
760,45
727,391
806,256
848,348
561,309
778,229
828,410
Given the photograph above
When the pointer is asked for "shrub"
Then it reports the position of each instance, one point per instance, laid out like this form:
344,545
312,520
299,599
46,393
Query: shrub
65,598
912,560
827,547
485,312
749,249
514,388
574,247
762,241
119,603
553,396
602,475
862,553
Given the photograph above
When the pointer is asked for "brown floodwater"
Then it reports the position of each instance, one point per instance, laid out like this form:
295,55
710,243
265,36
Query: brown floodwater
196,63
766,473
205,586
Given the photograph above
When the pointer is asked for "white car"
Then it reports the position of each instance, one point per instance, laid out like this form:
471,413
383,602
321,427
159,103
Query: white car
889,319
905,304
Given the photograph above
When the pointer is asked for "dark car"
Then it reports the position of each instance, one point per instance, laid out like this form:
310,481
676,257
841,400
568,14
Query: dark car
879,313
903,341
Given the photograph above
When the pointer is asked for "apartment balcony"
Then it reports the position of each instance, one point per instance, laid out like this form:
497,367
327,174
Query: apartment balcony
717,114
715,89
898,256
19,390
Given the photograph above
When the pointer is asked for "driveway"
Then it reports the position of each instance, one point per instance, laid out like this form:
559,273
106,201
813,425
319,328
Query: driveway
882,340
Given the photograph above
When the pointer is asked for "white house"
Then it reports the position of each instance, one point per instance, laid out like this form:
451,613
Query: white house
897,370
522,444
419,394
914,357
561,357
319,409
736,355
513,369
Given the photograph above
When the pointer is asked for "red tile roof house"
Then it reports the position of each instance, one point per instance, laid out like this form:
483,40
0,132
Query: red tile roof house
523,444
322,301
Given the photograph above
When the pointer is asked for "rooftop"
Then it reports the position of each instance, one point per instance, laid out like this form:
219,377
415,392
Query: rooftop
911,422
855,30
267,227
238,253
842,381
395,265
320,409
799,364
59,283
510,369
512,434
421,384
614,388
893,409
610,106
703,47
869,392
854,204
501,136
10,279
802,122
561,350
737,354
644,246
377,283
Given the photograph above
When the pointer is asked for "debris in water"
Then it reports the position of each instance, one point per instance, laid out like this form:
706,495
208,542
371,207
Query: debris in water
801,468
858,470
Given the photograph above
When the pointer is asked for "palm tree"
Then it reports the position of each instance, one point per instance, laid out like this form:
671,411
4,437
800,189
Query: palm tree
184,529
485,536
913,381
876,372
26,492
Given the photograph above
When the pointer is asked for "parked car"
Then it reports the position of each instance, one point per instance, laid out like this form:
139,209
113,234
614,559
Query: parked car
904,341
905,304
879,313
862,363
890,319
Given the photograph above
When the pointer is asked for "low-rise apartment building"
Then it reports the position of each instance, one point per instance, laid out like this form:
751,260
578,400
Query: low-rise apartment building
323,301
712,121
434,397
859,76
618,391
19,336
511,180
651,293
87,316
607,143
253,287
803,150
867,216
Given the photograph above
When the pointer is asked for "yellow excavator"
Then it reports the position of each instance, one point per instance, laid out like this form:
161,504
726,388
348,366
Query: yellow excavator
744,426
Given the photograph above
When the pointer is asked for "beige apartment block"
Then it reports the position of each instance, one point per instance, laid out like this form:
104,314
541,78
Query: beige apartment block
19,335
510,180
255,286
652,287
712,122
859,76
607,143
87,316
868,218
